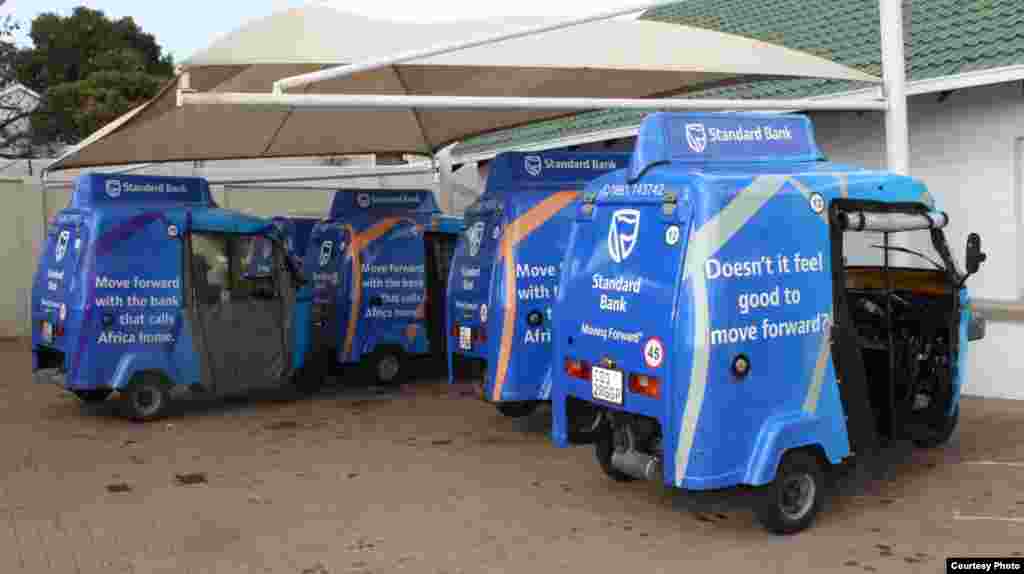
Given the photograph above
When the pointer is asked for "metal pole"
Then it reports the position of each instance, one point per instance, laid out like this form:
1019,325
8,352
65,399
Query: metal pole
341,71
897,133
443,165
372,102
379,172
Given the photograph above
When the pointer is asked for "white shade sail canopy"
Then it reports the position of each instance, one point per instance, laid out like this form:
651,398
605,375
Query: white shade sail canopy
612,59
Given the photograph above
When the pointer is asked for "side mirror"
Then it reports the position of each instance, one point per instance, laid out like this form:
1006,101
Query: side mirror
974,257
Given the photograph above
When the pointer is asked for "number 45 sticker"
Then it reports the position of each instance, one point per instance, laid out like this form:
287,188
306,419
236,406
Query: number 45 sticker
654,353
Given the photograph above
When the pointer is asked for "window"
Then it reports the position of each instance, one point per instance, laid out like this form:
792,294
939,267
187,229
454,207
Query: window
222,267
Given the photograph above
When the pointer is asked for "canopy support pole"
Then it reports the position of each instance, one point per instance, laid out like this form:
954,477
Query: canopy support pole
375,64
379,102
897,132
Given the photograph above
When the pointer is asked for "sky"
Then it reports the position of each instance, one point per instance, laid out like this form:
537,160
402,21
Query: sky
186,26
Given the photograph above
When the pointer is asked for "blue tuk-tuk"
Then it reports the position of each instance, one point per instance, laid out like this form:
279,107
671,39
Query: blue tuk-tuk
505,275
744,312
378,266
146,287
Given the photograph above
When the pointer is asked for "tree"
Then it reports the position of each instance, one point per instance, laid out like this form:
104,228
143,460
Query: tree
89,70
16,105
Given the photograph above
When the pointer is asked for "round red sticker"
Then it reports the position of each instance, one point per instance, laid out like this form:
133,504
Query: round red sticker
654,353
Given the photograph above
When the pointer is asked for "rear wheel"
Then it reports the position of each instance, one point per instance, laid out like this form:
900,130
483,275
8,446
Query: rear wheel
388,366
517,409
147,397
310,377
790,503
937,435
93,396
585,422
604,446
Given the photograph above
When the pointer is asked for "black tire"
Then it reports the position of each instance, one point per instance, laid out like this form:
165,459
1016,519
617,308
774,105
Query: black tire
586,422
308,379
93,396
604,446
936,436
517,409
147,398
791,502
387,366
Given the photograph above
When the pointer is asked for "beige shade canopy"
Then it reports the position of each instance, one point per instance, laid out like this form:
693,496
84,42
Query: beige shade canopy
611,59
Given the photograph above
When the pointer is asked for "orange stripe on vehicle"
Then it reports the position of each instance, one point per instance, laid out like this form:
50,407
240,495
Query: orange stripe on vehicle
515,232
358,244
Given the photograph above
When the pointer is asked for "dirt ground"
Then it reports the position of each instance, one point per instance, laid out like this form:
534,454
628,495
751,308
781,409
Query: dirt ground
428,481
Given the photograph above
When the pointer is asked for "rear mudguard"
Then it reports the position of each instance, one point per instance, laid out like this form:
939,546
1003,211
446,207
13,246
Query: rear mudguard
157,361
787,432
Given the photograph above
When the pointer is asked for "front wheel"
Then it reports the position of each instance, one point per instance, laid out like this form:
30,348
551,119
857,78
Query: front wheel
93,396
517,409
790,503
147,398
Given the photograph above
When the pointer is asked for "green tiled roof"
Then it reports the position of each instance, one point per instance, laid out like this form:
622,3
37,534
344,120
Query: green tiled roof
942,38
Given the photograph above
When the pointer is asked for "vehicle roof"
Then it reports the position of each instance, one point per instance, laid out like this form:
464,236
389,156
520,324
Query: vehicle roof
374,203
706,147
546,170
112,190
224,220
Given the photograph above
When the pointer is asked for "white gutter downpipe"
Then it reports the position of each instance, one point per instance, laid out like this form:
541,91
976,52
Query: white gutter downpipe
897,132
341,71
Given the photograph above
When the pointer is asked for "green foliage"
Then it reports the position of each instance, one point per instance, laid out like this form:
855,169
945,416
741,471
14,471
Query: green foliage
89,69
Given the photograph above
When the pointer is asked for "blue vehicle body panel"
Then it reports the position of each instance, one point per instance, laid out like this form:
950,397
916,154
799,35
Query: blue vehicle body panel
296,232
293,232
506,268
714,244
328,270
379,275
111,275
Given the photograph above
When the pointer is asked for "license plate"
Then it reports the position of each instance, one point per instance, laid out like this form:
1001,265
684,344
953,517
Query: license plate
47,331
606,385
465,338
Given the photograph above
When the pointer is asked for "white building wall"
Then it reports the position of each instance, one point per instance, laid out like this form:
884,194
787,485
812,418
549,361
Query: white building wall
968,150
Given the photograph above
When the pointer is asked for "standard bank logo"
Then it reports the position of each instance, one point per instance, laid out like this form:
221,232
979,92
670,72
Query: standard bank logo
113,188
622,235
363,200
533,165
696,137
475,235
62,245
326,248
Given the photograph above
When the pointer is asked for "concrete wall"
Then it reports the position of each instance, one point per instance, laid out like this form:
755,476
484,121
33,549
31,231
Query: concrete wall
21,232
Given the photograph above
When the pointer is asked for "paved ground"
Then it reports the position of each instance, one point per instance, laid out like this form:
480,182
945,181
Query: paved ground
425,482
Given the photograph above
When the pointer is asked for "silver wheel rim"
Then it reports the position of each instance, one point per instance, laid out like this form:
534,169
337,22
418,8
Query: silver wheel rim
796,496
147,401
387,368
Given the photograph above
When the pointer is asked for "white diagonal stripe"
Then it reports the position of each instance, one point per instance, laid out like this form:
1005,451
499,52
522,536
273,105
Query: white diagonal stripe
703,244
814,391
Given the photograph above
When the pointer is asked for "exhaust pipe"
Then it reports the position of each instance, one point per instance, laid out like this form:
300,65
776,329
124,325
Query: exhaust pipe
637,464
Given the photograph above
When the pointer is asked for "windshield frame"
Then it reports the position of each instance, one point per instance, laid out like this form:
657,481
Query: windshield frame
938,237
